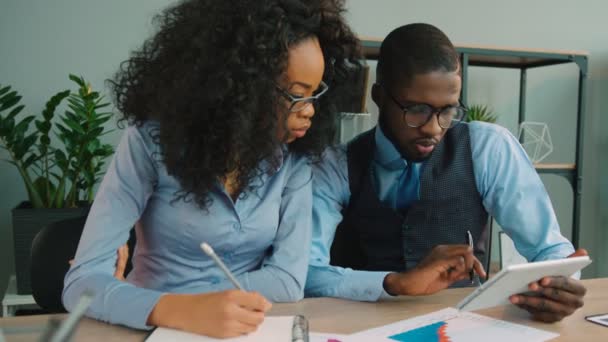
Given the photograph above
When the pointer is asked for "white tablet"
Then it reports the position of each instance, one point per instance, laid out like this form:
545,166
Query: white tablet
514,279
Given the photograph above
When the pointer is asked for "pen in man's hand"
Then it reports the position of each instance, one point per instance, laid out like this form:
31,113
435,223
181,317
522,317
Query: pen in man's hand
209,251
469,238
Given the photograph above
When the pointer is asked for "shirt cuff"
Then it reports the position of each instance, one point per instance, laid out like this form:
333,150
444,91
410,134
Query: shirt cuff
131,306
365,285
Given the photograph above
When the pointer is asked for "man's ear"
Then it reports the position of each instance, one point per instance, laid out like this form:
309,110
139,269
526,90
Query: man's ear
377,94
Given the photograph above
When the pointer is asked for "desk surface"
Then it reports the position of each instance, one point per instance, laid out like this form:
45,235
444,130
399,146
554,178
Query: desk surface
341,316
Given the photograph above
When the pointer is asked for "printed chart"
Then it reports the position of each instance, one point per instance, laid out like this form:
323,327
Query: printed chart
451,325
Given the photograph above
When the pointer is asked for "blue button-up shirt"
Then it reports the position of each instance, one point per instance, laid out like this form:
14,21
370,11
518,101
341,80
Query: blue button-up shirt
508,184
263,238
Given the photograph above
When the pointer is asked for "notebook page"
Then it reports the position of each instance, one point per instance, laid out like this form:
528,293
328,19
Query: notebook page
274,328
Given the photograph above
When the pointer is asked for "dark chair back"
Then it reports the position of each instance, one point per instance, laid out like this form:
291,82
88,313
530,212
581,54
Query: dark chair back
52,249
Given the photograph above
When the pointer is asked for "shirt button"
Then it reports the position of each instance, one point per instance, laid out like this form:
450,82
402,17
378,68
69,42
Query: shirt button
236,226
405,226
409,251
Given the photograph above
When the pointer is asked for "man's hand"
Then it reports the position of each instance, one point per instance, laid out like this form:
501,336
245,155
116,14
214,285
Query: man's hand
554,297
445,265
218,314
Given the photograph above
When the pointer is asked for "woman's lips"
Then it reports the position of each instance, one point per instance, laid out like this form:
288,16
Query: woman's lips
300,132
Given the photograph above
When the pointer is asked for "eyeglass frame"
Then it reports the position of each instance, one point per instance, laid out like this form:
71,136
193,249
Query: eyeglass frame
310,100
434,111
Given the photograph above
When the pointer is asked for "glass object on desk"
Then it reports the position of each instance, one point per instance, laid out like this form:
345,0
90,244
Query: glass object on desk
536,140
353,124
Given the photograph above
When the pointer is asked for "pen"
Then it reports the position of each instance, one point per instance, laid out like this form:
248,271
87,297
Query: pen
209,251
469,238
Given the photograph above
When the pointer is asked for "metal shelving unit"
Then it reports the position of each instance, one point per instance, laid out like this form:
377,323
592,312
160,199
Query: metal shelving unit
524,59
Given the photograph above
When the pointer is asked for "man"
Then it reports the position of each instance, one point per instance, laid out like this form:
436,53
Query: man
392,208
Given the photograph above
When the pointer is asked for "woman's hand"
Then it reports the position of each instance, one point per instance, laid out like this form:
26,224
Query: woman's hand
217,314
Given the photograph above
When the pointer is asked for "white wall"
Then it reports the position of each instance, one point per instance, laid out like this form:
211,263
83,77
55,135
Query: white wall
42,41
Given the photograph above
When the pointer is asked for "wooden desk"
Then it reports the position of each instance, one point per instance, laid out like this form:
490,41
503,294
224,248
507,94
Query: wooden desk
341,316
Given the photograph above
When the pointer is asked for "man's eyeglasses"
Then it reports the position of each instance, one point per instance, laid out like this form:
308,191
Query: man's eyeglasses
300,103
418,114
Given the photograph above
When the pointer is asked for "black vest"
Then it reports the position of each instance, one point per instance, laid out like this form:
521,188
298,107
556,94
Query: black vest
375,237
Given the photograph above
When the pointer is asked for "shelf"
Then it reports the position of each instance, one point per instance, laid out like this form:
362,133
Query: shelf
499,57
566,170
554,167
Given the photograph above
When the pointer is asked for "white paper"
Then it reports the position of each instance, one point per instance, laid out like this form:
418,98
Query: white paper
324,337
274,328
454,326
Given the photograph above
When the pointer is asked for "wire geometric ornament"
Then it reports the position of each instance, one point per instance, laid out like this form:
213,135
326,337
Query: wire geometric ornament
536,140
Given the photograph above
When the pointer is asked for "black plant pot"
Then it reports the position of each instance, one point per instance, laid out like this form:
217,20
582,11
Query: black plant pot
27,222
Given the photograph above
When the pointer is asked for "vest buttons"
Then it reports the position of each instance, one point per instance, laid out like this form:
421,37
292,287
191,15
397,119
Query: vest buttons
405,226
409,251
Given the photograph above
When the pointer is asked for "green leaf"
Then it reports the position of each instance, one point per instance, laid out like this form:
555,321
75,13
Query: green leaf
30,140
19,151
15,111
4,90
9,101
60,156
63,130
9,96
77,80
76,105
73,125
23,125
30,160
53,103
60,195
45,140
43,126
103,105
9,124
72,116
93,146
92,96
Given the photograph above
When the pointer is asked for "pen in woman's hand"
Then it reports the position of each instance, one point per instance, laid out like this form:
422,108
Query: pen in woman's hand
210,252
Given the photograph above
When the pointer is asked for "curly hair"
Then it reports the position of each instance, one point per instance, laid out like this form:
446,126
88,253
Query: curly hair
209,77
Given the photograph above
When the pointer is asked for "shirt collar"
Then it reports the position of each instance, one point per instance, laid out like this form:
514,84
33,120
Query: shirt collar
281,153
386,153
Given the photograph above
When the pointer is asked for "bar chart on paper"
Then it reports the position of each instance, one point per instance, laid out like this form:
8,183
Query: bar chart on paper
431,332
451,325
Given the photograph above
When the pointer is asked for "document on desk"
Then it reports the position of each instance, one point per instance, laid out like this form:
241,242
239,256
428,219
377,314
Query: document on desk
274,328
327,337
455,326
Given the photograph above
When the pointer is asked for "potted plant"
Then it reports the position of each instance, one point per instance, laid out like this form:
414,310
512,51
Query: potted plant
480,113
59,177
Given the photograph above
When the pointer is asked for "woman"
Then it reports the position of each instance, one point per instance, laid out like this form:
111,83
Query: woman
222,128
